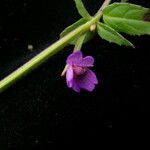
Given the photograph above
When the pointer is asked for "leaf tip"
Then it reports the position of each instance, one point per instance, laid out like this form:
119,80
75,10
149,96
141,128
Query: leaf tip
131,45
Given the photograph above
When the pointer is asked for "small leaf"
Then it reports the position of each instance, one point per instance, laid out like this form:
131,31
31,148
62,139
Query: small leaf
69,29
109,34
81,9
72,27
128,18
88,36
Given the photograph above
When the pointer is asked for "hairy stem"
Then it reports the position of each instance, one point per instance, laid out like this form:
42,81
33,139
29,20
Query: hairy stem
48,52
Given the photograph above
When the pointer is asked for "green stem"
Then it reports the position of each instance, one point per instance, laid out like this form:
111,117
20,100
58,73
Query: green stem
51,50
79,43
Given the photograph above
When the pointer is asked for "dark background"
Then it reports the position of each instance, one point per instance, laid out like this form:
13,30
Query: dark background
40,111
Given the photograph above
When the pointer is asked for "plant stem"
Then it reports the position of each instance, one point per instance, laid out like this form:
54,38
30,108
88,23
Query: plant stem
79,43
48,52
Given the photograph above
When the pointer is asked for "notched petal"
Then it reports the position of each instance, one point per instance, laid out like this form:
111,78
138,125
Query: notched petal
75,87
74,58
92,76
87,81
87,61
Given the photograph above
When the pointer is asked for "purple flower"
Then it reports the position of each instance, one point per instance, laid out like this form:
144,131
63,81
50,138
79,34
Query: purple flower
78,75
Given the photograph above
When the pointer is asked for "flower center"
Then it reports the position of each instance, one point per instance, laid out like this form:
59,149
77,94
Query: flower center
79,70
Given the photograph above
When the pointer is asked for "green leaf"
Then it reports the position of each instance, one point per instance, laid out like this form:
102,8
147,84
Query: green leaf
88,36
109,34
81,9
73,27
69,29
128,18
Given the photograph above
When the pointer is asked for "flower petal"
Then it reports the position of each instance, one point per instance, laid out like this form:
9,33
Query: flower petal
69,76
87,61
74,58
87,81
92,76
75,86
